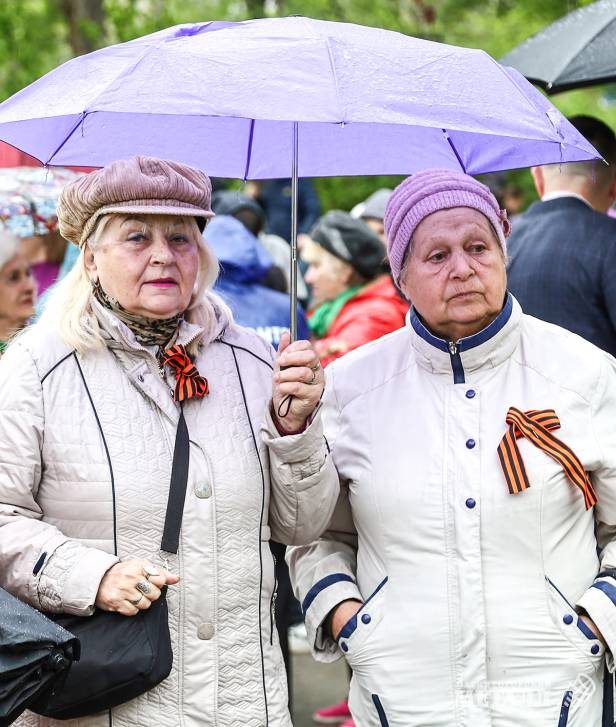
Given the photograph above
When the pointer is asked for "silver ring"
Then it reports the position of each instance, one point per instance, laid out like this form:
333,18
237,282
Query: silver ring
149,571
143,587
316,367
136,601
313,380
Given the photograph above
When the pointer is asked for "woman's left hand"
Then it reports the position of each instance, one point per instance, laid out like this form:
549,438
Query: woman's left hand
297,374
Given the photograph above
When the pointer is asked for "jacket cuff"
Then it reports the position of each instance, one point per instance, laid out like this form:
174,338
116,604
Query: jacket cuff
71,577
599,602
278,424
301,456
325,595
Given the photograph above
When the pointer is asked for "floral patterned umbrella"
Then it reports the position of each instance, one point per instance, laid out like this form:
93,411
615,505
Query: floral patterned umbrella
28,198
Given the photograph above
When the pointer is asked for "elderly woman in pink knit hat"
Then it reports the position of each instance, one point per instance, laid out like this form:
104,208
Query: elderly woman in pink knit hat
132,470
468,575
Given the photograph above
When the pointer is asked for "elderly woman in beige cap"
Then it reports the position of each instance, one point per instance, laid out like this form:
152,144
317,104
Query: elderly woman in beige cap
132,351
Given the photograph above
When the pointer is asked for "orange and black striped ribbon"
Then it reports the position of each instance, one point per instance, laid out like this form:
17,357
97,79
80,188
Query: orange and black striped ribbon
188,382
536,427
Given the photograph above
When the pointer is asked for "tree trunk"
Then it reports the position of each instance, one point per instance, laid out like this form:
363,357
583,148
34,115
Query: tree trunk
85,20
256,8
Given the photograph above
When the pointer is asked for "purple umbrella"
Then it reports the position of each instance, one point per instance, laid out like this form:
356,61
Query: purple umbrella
289,97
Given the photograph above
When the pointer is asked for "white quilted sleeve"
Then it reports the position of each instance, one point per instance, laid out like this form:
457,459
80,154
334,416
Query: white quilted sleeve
304,483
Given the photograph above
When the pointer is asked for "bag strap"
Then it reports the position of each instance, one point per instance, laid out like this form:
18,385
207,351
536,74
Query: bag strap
177,487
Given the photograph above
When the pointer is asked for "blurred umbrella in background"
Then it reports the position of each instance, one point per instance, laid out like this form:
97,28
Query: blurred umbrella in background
577,50
28,198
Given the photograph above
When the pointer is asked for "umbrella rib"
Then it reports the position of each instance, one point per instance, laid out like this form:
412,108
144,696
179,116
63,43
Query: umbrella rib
249,150
80,121
454,150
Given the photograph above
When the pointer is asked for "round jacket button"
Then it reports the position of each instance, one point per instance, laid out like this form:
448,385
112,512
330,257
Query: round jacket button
470,443
343,646
203,490
470,394
594,649
470,503
205,631
366,618
568,619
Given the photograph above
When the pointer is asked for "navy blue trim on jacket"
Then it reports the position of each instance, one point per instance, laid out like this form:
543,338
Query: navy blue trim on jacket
564,709
322,585
351,625
380,711
607,588
455,348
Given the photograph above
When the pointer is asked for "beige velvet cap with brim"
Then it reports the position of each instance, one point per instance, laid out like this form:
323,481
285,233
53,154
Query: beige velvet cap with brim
141,185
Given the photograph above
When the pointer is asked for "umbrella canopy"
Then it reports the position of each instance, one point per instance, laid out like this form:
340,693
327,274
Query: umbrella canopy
577,50
35,655
28,198
231,97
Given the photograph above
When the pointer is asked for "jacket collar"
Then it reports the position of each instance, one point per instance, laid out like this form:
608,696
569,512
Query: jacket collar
460,359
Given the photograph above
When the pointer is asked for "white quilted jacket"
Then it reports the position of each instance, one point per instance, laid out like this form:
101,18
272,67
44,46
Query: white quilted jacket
86,447
469,592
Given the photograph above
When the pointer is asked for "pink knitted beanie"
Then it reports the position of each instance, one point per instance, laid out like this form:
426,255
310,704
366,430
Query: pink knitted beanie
430,191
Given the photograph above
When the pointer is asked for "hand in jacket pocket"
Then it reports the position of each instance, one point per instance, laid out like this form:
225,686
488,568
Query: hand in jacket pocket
593,627
131,585
341,615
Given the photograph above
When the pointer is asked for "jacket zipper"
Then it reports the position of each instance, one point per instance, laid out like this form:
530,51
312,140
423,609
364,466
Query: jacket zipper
273,603
456,363
161,369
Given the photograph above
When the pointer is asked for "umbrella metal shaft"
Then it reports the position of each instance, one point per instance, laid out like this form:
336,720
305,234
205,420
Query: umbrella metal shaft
293,271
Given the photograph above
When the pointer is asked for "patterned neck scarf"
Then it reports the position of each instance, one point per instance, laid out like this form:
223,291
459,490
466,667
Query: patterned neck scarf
147,331
3,345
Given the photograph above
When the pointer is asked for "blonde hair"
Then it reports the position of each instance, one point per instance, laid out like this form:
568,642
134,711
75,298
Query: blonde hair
69,311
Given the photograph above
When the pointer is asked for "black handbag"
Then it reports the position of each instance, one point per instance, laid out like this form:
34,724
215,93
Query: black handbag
122,657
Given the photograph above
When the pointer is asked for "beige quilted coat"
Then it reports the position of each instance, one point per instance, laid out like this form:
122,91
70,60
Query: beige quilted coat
86,447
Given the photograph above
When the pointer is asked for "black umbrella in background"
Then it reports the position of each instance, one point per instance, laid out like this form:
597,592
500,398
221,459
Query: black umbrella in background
35,655
577,50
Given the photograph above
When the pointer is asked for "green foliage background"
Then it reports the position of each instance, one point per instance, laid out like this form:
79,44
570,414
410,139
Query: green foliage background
37,35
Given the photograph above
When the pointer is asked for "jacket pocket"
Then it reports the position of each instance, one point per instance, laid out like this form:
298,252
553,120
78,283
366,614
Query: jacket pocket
359,628
381,712
571,625
564,709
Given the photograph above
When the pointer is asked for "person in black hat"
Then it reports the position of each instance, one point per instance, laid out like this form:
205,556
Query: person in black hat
353,300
